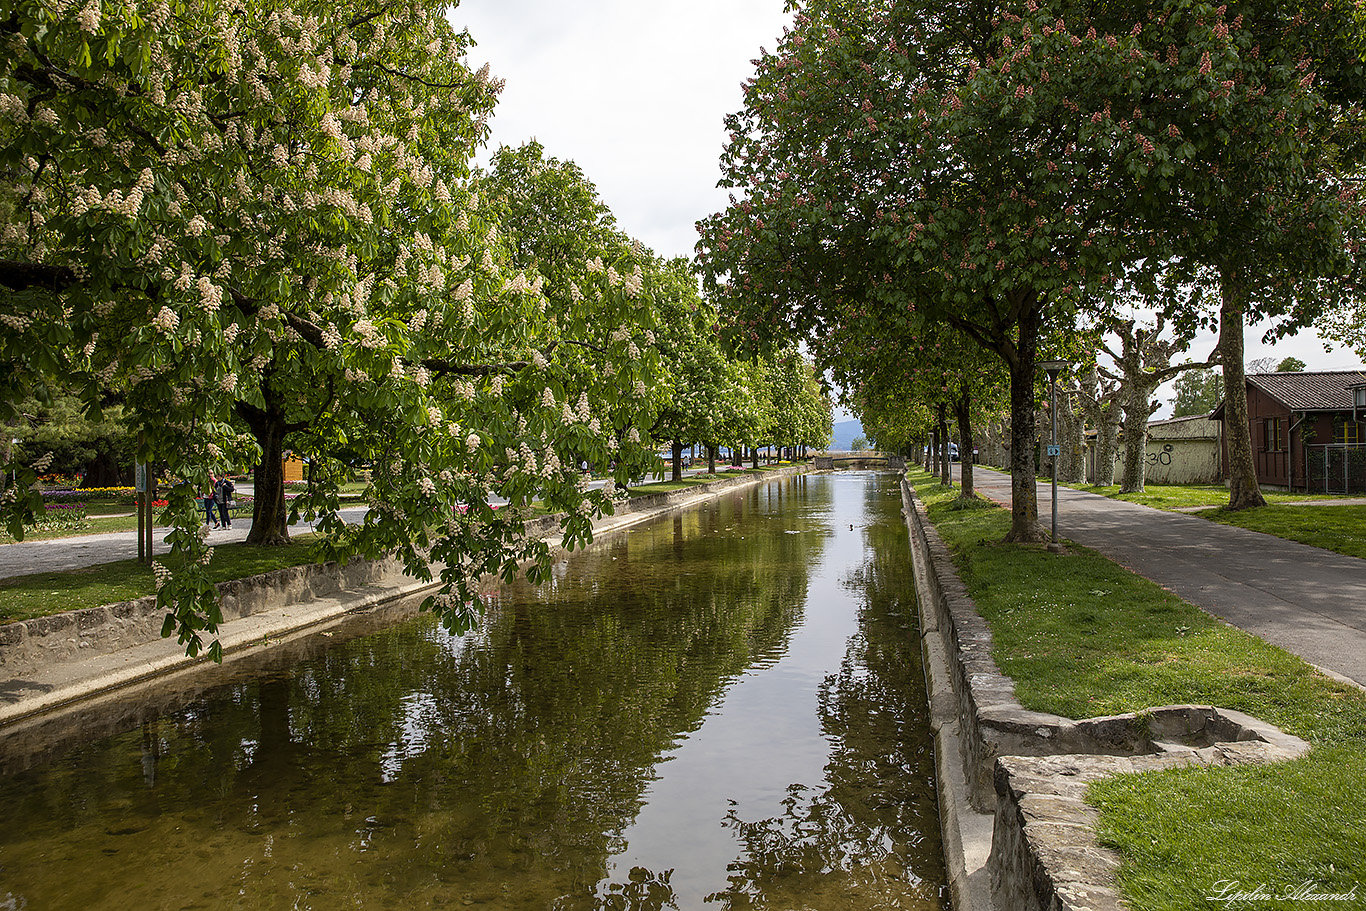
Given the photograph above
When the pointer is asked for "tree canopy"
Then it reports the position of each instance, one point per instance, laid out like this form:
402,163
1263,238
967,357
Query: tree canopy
253,222
995,167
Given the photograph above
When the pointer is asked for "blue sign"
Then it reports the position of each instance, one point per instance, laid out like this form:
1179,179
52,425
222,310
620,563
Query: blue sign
1054,449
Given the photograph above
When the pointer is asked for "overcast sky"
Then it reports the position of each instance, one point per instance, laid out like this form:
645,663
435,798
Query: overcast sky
635,91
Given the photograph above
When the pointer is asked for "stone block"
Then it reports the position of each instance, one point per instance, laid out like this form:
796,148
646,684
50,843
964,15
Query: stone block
91,618
12,634
50,625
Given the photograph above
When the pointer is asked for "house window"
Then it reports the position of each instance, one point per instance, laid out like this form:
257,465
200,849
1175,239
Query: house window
1346,430
1274,440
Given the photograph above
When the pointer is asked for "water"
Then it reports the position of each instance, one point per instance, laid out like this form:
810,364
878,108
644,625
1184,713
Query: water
721,709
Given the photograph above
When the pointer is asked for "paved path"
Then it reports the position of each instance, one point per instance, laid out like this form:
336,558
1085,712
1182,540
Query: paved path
59,554
1308,601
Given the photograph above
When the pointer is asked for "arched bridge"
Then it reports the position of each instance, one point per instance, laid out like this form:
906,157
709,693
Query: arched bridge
859,460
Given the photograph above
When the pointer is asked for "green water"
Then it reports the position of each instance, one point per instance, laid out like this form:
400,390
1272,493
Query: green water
721,709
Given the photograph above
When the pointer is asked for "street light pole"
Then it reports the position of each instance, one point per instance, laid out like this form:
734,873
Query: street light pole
1054,450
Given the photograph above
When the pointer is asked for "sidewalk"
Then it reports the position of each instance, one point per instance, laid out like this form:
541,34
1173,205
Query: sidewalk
1308,601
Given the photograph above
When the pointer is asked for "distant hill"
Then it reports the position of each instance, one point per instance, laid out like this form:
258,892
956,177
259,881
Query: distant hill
845,431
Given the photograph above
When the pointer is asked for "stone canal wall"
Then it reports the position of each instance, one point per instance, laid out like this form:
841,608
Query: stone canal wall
1018,834
62,658
28,645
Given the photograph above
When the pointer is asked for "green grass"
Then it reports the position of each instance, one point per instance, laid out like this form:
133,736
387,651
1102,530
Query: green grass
93,525
1081,636
641,490
1181,496
644,490
1341,529
103,518
41,594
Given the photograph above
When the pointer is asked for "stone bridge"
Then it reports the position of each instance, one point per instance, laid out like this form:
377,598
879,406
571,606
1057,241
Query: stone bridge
859,460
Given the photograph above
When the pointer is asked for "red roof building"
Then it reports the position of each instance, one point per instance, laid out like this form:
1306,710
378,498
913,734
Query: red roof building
1306,435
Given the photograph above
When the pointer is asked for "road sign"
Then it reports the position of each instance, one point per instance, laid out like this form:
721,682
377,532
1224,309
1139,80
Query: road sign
1054,449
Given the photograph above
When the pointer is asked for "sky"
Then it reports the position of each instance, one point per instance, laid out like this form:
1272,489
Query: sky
635,92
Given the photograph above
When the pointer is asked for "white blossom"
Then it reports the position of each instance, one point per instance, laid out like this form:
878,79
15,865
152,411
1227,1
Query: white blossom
210,295
166,320
89,17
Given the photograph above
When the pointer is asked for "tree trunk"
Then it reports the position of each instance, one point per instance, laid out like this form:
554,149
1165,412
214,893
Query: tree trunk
711,459
677,461
754,454
269,523
962,411
1107,442
1137,409
1243,492
1073,431
944,477
1024,493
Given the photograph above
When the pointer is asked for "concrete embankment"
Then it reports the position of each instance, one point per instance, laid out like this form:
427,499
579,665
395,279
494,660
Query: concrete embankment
65,658
1018,834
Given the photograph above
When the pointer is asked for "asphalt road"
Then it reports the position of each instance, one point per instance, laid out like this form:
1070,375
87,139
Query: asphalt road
1308,601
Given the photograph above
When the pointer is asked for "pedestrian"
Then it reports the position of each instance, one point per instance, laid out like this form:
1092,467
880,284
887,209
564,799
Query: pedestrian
224,492
210,498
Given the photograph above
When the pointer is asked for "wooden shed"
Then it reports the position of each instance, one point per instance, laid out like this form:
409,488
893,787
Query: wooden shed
1305,433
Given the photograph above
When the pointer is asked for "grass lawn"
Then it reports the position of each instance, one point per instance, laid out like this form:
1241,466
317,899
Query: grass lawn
1341,529
40,594
1081,636
93,525
644,490
641,490
1179,496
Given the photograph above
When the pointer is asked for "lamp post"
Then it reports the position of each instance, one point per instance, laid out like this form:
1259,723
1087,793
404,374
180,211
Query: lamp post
1054,450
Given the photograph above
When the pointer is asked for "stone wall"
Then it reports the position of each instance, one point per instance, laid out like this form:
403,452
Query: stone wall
1031,769
28,645
74,635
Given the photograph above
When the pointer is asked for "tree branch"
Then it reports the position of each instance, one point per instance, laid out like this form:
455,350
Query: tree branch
447,368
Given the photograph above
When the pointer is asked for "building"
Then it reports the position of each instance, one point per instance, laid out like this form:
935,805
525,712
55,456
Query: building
1306,433
1178,451
1183,451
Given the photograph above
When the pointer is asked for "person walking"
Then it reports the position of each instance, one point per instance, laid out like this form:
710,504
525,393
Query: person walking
210,498
223,492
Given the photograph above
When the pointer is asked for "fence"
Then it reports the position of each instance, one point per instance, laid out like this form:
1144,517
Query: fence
1336,468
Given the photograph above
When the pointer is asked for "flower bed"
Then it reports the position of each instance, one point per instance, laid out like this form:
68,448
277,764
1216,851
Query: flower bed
58,517
122,496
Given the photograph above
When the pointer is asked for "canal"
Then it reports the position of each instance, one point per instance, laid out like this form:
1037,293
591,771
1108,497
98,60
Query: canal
722,708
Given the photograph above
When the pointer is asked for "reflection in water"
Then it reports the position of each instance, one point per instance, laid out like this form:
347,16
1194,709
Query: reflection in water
723,705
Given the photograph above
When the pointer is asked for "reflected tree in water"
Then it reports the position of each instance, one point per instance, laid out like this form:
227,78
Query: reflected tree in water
503,766
871,836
